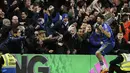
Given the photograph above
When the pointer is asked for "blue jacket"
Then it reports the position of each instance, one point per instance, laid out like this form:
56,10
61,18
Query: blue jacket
48,20
14,44
54,19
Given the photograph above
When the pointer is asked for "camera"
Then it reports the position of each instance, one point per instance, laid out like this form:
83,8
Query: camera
96,25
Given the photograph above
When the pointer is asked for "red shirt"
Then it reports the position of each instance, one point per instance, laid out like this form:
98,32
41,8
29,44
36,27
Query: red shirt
127,30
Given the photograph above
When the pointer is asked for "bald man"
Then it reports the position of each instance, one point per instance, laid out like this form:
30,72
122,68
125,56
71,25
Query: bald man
15,22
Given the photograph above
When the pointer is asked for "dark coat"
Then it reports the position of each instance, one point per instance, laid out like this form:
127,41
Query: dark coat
60,27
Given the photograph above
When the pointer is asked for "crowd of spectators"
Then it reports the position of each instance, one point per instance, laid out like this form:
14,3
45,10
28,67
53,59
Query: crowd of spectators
40,26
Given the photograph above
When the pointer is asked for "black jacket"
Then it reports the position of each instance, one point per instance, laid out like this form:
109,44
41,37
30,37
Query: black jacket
60,27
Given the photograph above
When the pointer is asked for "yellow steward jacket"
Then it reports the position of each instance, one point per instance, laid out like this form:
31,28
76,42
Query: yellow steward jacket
9,61
125,65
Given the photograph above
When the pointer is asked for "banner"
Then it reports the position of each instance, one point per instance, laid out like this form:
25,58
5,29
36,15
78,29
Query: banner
37,63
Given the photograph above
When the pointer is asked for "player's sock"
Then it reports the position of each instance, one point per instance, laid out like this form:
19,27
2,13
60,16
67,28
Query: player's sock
101,63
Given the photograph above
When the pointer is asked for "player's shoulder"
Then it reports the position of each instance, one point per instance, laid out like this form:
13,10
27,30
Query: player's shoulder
105,25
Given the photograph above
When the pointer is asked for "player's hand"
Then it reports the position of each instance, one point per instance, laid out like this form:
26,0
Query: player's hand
100,27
